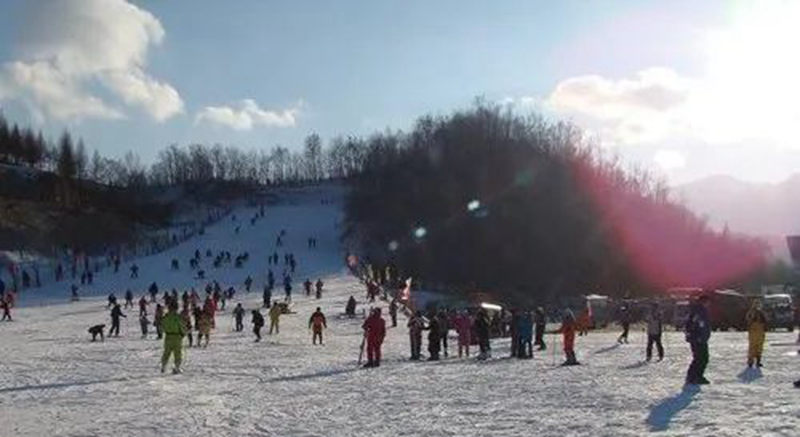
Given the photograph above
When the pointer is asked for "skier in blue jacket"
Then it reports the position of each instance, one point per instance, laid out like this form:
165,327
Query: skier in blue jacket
698,331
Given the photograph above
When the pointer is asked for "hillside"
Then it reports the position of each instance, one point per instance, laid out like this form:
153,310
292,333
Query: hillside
766,210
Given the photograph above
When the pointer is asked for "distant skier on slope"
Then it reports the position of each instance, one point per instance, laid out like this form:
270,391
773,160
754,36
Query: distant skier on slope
144,323
128,299
350,308
238,314
307,286
374,331
142,306
317,323
319,285
258,323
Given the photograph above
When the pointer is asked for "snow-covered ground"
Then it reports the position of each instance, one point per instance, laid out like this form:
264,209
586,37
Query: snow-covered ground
53,381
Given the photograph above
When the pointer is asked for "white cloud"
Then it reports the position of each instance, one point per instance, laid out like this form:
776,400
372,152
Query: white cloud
72,46
246,114
669,160
645,108
747,92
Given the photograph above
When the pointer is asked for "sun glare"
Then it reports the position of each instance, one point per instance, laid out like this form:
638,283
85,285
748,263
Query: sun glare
751,87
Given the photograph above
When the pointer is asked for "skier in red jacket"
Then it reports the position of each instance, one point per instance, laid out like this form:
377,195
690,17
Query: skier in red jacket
375,331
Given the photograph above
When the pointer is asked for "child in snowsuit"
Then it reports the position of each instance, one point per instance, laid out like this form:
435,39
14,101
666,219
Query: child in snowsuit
144,323
97,330
567,329
173,338
274,318
756,332
317,323
374,331
258,323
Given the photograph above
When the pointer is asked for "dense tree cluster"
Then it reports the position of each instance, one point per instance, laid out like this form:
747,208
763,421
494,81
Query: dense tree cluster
485,200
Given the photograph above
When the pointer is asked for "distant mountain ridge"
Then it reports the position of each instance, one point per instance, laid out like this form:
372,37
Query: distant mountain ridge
767,210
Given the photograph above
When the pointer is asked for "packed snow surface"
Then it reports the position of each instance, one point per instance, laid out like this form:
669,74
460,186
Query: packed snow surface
54,382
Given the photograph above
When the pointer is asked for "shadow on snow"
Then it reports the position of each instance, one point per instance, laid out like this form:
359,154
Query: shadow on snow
663,412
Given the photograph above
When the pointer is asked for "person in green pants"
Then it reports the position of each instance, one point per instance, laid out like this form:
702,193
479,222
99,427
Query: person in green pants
173,339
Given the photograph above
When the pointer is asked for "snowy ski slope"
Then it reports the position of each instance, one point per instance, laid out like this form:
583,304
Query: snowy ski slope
53,381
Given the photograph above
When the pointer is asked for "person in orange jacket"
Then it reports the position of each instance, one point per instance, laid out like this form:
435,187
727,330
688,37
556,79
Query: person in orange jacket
567,329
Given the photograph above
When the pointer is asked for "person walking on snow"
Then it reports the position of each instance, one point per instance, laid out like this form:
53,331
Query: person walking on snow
393,312
274,318
525,335
482,328
203,325
116,313
415,326
248,282
319,285
128,299
144,323
287,288
142,306
258,323
698,332
654,330
434,336
307,286
374,331
6,308
444,328
173,338
567,330
238,314
463,326
317,323
540,320
266,296
756,333
624,320
186,318
157,321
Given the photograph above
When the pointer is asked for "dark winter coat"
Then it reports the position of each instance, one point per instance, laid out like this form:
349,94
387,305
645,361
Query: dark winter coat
698,327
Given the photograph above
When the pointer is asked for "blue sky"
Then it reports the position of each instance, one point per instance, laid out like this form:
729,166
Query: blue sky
143,75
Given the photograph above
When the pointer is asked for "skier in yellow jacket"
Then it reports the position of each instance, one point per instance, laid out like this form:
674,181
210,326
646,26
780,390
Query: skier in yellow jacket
174,331
756,331
274,318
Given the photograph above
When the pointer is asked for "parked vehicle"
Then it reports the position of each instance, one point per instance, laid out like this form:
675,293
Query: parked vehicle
680,313
779,311
599,311
728,309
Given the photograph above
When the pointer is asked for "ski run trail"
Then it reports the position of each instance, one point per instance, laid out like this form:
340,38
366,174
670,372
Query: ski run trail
55,382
